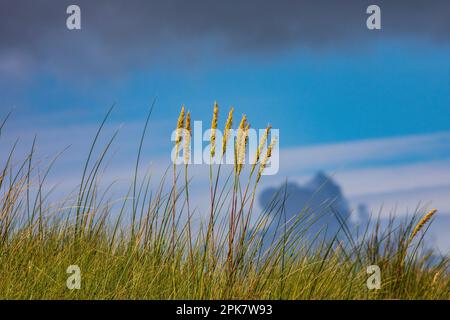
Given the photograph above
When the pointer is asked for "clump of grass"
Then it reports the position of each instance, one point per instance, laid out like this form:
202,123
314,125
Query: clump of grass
157,255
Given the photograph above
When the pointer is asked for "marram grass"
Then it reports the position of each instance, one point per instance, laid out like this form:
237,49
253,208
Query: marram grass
158,255
422,223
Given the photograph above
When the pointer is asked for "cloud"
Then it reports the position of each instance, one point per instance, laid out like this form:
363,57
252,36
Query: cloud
351,154
320,198
438,234
388,179
118,33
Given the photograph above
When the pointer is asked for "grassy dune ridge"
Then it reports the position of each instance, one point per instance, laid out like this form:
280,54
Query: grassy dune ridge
150,249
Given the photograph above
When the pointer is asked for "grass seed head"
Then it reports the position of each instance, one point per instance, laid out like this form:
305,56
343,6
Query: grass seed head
422,223
243,146
226,133
262,143
187,139
240,132
213,129
237,143
266,159
180,125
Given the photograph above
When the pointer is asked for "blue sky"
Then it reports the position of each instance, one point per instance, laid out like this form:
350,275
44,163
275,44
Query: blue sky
337,92
387,89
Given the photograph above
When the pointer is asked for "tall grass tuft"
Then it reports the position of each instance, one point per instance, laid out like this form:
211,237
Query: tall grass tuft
146,245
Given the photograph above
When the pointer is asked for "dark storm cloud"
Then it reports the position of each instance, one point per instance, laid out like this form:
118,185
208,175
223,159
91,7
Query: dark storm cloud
126,33
320,199
320,195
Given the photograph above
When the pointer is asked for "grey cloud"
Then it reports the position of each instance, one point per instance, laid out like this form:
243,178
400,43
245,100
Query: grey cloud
321,198
118,33
317,202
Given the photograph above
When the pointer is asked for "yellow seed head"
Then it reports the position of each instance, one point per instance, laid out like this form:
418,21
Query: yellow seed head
215,113
243,147
213,129
178,131
246,131
180,125
265,159
187,139
240,132
226,133
239,142
436,277
262,143
421,223
188,122
243,122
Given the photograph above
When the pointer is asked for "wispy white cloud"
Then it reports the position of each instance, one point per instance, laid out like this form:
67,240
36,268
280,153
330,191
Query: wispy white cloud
395,178
339,156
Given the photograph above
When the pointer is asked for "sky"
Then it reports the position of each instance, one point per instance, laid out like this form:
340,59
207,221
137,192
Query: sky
371,108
